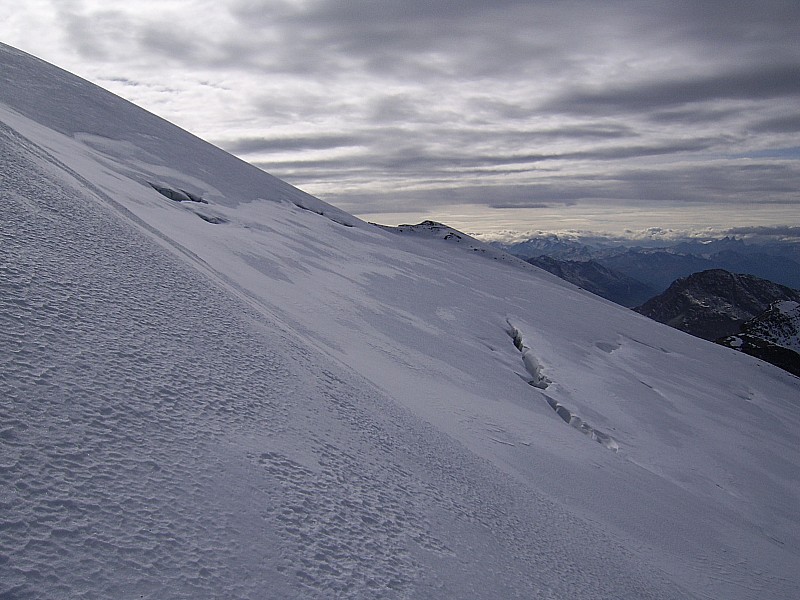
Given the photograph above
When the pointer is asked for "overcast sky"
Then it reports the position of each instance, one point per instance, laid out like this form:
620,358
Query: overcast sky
490,115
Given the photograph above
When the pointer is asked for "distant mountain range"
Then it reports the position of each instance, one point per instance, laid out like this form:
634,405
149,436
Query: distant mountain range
655,268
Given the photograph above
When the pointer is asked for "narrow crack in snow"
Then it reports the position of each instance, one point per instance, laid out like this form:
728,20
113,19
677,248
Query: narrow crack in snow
540,381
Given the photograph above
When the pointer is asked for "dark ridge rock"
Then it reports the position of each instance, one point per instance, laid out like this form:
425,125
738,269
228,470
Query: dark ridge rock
781,357
322,214
194,197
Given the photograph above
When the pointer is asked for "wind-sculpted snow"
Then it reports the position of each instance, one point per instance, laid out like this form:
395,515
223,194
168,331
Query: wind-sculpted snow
262,403
121,369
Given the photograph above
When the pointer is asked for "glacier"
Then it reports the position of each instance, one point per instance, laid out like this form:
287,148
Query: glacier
262,396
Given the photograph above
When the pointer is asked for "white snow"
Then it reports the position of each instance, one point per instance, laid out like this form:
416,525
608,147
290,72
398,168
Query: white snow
291,403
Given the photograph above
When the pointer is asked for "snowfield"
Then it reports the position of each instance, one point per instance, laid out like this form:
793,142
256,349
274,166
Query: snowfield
213,385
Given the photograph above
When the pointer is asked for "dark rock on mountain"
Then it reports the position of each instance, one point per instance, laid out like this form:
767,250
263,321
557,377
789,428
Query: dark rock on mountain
786,359
715,303
773,336
594,277
779,324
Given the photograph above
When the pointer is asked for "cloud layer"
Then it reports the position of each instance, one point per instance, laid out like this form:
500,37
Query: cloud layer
414,107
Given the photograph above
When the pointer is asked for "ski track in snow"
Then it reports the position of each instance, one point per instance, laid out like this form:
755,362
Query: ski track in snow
159,441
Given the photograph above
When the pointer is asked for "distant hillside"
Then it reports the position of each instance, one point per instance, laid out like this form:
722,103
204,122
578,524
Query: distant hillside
657,267
598,279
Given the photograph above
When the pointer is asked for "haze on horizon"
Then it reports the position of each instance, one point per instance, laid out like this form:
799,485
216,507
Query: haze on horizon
495,117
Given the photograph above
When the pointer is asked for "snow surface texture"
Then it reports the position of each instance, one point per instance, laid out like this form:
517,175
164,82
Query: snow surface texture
277,400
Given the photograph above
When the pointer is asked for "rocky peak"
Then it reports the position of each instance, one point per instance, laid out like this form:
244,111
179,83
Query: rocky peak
715,303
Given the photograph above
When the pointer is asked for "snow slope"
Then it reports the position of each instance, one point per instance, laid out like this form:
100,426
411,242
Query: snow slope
260,396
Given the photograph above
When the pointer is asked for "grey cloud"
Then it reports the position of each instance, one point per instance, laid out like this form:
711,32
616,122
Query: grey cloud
410,40
500,205
277,144
695,115
783,124
114,36
124,81
772,229
585,132
792,153
79,30
420,162
173,41
546,194
392,160
755,84
397,108
498,108
383,11
728,183
517,39
624,152
732,22
515,196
